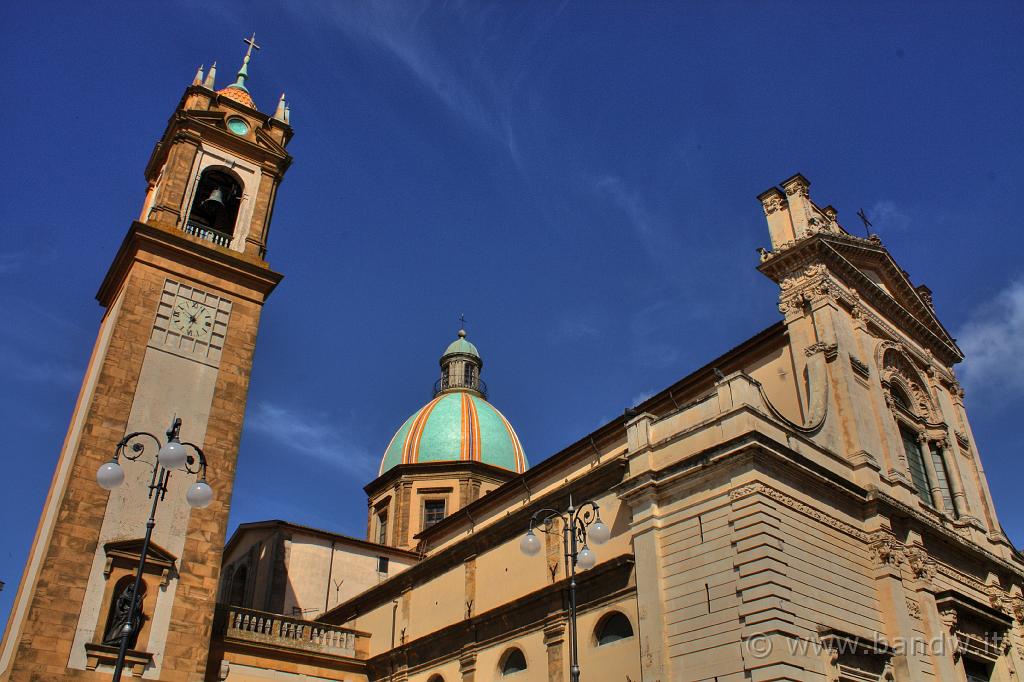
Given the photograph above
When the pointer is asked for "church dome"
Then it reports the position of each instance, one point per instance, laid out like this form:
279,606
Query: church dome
240,95
458,424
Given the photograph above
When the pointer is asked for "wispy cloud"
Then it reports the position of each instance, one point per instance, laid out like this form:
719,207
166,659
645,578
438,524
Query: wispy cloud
467,78
576,327
313,435
37,350
630,203
887,215
11,262
993,344
637,399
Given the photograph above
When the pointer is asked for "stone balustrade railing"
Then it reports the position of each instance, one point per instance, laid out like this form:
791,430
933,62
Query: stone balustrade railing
292,633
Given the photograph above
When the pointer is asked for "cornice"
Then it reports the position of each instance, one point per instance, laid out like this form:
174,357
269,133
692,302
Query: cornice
221,262
820,248
398,471
591,484
605,582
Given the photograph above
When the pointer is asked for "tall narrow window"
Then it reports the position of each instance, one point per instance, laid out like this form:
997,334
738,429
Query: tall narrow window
382,528
915,461
943,475
467,375
236,593
433,512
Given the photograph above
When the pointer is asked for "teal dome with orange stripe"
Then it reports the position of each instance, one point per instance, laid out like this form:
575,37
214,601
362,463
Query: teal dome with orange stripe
458,425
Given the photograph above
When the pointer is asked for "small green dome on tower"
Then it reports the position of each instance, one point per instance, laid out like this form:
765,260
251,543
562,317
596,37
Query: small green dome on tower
461,345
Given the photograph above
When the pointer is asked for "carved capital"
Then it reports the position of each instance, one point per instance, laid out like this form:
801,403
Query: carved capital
798,186
773,201
914,608
886,549
831,350
949,619
921,565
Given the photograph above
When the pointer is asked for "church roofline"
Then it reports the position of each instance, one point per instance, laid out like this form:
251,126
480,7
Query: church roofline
664,402
338,537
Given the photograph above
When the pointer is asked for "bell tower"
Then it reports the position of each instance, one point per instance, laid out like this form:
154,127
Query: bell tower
199,245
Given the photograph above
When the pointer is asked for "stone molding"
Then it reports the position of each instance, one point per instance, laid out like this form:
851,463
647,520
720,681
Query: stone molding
784,499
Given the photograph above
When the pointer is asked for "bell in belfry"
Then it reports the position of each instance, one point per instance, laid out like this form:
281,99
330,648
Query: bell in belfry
215,201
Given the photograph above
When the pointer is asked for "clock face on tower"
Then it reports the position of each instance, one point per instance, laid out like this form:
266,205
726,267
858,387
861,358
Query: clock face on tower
192,319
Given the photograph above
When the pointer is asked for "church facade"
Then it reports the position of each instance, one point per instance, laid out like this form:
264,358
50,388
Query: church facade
811,505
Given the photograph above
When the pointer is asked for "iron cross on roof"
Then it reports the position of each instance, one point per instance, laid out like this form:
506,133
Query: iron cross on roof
864,219
251,42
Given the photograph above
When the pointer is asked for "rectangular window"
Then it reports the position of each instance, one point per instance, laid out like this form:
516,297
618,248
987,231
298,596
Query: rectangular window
433,511
382,564
915,461
382,528
977,671
943,475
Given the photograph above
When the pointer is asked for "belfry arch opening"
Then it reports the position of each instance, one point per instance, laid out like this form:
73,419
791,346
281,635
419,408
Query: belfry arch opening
214,212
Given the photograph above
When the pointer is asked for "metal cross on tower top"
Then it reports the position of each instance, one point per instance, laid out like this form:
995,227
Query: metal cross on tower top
864,219
251,42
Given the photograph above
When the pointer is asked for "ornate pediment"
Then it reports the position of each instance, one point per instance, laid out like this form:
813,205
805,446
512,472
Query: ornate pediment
126,553
866,269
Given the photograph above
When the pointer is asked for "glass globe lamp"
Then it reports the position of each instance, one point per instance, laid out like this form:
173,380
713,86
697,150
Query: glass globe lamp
598,533
173,455
586,558
110,475
199,495
529,544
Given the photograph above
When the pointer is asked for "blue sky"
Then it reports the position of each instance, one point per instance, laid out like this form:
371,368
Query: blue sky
577,178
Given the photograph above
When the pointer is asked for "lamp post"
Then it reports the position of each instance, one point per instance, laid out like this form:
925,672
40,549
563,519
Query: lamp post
578,525
170,456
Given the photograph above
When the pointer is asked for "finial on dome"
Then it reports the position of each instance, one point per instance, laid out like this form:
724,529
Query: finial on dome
462,333
243,73
199,76
210,76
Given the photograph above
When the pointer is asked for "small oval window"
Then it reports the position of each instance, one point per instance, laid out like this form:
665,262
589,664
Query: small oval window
239,126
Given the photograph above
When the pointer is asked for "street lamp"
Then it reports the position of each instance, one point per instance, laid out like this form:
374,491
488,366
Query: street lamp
578,525
171,455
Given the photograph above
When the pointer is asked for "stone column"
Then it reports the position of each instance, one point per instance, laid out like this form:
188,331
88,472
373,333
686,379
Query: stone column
956,484
467,664
554,640
929,470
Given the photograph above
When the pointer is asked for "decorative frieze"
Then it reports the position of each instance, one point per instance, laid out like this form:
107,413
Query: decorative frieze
786,500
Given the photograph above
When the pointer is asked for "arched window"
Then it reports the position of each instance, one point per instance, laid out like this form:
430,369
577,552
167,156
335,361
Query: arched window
215,207
436,678
512,662
901,399
236,592
612,628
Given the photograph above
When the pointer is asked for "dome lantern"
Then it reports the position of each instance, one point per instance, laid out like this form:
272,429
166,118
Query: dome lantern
460,368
